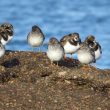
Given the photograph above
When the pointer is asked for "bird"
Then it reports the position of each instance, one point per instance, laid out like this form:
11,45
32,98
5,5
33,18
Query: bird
36,37
3,36
2,50
55,51
8,29
91,41
85,54
97,49
70,43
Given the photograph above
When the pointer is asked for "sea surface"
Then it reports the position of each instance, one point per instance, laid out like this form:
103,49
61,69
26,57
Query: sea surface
57,18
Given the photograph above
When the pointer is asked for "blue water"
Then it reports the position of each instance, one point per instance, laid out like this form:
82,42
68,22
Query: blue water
57,18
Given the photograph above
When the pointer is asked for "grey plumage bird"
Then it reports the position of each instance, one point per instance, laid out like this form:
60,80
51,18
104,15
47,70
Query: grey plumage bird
86,54
36,37
55,51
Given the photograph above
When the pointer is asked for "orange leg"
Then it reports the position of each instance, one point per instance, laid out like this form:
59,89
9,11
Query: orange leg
68,59
65,57
86,67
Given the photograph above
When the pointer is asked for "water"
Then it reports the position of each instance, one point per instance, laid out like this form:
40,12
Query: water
57,18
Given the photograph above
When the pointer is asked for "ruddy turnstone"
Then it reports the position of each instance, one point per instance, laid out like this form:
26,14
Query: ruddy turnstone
71,43
3,36
36,37
8,28
91,41
55,51
86,54
97,49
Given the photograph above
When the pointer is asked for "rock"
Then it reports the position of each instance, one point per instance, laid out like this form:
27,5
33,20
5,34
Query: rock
28,81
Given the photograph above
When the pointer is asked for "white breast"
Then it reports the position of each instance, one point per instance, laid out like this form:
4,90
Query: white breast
35,41
55,55
85,57
97,54
5,42
69,48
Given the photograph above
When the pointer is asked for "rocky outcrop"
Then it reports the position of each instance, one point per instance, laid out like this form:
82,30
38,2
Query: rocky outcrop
28,81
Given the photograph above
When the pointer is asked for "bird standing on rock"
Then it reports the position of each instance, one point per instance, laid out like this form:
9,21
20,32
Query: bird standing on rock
97,49
55,51
91,42
36,37
86,54
8,30
70,43
90,39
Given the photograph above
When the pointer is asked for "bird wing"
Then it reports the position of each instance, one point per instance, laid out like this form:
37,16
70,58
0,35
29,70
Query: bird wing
63,40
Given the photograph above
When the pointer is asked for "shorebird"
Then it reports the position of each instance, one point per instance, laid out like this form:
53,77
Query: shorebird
8,29
3,36
91,41
86,54
55,51
36,37
97,49
70,43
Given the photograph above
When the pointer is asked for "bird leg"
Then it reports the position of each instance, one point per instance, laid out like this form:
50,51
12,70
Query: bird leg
65,57
85,66
71,59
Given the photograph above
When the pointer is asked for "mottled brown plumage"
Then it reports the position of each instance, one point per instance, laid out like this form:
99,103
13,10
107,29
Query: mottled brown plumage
3,34
71,39
70,43
8,28
91,42
97,49
90,39
6,33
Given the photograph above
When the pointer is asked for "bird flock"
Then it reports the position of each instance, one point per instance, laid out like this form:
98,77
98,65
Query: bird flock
87,51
